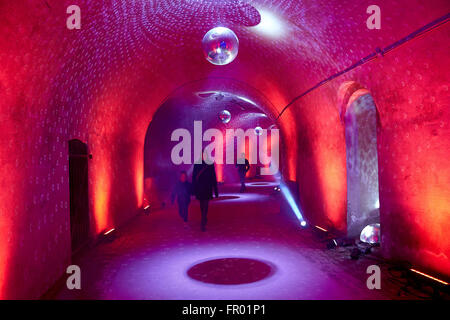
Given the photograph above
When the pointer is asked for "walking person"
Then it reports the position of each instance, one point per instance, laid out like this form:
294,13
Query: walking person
242,166
204,182
182,191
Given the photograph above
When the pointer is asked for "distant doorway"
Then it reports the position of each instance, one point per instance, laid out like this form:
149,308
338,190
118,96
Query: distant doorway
363,203
79,198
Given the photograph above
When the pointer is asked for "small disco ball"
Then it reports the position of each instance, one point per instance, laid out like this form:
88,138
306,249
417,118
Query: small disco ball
220,45
371,234
258,131
225,116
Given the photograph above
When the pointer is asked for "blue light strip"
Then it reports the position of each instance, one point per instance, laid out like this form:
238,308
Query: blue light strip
290,199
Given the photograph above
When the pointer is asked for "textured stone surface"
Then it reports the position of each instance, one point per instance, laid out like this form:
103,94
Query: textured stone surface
102,84
152,256
362,165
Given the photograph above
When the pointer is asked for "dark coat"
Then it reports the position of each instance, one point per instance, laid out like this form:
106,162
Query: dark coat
204,181
243,167
182,192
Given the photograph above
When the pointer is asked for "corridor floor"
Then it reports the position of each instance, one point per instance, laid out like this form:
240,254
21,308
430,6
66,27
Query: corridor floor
151,256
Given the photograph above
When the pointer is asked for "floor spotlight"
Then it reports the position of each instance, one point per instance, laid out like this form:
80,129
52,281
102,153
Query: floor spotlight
321,233
340,242
146,206
292,204
429,277
109,232
109,235
321,229
331,244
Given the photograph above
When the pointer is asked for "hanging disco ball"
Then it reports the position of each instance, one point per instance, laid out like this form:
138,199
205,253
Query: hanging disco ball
220,45
258,131
225,116
371,234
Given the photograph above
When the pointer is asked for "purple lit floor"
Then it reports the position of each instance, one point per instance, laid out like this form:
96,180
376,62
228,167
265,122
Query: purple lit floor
151,257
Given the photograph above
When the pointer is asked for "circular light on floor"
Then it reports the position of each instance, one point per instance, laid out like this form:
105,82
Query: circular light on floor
231,271
220,46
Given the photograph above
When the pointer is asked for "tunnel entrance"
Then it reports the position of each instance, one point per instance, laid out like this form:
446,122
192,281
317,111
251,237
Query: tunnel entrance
195,111
363,203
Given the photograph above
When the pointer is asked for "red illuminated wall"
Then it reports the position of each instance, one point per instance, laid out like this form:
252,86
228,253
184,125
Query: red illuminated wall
200,101
102,84
410,89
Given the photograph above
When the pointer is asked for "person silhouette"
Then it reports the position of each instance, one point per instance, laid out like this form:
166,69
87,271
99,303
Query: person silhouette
204,182
182,192
242,166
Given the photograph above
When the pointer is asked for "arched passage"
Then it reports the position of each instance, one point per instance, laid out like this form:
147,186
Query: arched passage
359,114
360,122
103,84
198,105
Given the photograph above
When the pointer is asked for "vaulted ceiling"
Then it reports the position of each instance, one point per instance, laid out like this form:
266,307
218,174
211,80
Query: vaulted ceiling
103,84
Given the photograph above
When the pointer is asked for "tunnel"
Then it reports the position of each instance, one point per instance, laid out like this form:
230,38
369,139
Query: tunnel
322,128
